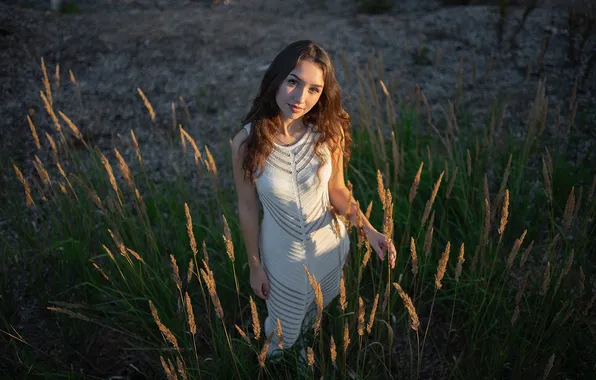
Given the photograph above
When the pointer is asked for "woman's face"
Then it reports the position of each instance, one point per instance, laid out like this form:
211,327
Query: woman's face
300,90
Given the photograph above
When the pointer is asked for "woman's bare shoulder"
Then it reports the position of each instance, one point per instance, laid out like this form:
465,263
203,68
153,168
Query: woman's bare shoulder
240,138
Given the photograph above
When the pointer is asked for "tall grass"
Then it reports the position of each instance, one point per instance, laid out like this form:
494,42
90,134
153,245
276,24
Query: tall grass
112,251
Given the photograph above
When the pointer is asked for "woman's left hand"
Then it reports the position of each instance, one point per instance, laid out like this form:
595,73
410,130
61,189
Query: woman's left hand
379,242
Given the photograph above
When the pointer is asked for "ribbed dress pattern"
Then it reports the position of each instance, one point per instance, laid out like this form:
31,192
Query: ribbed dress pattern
297,230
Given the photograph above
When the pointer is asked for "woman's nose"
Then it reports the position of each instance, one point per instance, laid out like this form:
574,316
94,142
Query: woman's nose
299,95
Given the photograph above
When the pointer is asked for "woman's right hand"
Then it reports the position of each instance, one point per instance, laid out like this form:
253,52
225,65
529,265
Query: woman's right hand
259,282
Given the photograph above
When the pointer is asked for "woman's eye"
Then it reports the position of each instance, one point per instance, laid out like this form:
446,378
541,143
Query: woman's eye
292,81
314,89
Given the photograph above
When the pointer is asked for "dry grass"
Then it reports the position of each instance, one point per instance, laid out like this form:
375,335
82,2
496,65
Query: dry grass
442,266
162,328
147,104
256,325
414,321
415,183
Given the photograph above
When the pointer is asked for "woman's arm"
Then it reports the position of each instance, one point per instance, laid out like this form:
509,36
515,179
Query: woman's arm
248,204
339,195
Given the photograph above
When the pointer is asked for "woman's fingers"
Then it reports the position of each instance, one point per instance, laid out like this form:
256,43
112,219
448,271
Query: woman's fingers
379,251
258,292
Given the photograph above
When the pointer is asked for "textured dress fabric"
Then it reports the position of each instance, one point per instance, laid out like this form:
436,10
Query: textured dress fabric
297,230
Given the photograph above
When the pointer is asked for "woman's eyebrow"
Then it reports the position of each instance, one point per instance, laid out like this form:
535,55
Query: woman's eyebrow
300,79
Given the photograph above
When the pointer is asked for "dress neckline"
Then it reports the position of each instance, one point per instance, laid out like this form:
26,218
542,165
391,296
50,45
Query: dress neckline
295,142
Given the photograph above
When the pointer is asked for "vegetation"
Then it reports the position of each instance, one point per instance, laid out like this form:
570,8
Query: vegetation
491,279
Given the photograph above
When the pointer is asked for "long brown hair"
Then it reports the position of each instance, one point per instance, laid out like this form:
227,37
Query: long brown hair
327,116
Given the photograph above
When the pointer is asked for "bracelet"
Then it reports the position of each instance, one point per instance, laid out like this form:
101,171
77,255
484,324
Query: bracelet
366,230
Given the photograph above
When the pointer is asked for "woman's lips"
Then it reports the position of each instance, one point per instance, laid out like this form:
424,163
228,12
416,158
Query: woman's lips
294,108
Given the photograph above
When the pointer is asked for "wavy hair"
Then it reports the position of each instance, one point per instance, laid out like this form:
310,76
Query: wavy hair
328,117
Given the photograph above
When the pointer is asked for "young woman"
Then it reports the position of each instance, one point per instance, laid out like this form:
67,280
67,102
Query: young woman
290,157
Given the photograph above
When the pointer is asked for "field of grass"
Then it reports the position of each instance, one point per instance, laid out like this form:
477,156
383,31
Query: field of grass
491,279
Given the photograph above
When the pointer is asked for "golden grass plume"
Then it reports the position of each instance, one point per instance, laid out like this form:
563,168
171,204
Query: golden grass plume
413,256
33,132
189,230
414,321
162,328
256,325
431,201
371,318
147,104
227,237
415,183
191,315
242,334
460,262
442,266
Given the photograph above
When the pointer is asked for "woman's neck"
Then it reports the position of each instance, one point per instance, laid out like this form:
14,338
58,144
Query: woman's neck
292,127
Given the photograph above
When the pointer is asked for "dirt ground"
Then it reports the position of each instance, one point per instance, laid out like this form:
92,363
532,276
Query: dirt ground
214,55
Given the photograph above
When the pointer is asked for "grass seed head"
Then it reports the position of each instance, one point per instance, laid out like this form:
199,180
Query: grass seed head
211,162
147,104
124,169
256,325
414,256
486,220
431,201
162,328
242,334
191,316
53,147
50,110
72,127
310,356
451,183
176,273
111,177
33,132
526,254
380,187
371,318
189,230
460,261
263,354
227,237
181,369
342,294
280,337
504,213
136,145
442,266
346,336
360,316
333,350
170,371
415,183
515,249
368,210
428,237
41,171
414,321
190,271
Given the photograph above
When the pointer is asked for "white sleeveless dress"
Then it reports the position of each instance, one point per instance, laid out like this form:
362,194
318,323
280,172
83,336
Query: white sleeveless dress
297,230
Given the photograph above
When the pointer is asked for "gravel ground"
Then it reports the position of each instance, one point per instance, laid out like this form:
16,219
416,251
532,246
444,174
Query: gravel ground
214,56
